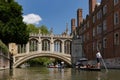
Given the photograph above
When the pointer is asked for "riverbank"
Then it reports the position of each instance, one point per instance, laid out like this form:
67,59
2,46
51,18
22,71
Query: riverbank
1,68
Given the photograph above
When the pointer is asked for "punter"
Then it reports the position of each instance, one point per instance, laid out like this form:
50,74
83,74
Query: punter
98,57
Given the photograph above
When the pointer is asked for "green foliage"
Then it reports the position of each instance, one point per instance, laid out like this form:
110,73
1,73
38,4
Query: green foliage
44,29
12,28
3,47
33,29
42,60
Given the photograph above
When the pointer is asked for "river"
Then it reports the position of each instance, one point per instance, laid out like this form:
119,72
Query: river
42,73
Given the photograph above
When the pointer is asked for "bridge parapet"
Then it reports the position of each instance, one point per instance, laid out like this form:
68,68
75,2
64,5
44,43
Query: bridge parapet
50,35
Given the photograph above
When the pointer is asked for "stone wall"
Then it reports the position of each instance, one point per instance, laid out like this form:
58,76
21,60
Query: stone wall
4,61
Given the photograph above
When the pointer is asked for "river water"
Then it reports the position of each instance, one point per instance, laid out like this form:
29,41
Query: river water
40,73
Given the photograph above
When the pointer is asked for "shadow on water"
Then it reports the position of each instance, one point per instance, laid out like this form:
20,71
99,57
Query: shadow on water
40,73
113,74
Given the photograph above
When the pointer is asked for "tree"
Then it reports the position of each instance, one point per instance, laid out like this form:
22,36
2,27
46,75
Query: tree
34,29
3,47
12,28
40,61
44,29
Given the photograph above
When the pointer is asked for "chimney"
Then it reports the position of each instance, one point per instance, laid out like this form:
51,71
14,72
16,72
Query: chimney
92,4
73,27
79,17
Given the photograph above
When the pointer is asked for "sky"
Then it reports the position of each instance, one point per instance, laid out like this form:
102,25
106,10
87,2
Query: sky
54,14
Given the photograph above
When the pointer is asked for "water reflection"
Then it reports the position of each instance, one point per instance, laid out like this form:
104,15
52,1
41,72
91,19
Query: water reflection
57,74
94,75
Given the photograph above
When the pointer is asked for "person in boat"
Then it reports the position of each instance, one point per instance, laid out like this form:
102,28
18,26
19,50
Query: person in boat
98,57
90,66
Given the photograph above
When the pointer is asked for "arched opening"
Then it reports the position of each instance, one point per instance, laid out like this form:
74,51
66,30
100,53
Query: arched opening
67,47
58,46
33,45
59,57
21,48
45,45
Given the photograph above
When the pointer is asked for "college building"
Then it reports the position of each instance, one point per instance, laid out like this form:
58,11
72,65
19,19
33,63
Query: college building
100,30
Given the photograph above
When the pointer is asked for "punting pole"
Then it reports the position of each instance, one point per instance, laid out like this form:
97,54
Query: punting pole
104,65
103,62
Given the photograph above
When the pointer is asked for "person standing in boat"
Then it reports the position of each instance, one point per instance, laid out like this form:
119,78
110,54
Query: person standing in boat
98,57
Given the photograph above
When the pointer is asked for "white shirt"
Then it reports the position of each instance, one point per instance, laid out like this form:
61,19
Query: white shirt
98,55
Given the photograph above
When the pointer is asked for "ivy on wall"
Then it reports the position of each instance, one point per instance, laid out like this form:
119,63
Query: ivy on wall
3,47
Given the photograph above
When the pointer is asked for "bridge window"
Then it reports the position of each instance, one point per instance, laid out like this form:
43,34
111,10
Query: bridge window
57,46
33,45
21,48
67,47
46,45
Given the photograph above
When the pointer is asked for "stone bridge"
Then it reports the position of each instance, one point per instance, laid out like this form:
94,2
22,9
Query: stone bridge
23,58
55,46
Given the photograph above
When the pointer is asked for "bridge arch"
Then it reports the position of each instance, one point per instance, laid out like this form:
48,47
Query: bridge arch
62,57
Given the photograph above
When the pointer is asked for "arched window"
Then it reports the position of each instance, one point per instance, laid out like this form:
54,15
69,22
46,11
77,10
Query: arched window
33,44
116,18
21,48
67,47
46,45
104,42
116,39
57,46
